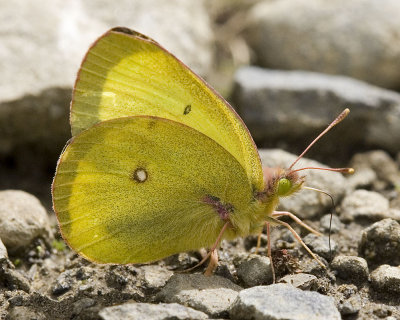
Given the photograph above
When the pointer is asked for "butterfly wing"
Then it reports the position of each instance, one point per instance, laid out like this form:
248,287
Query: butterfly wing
126,73
137,189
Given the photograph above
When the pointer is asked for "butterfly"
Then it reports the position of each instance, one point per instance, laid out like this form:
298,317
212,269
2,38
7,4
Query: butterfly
159,163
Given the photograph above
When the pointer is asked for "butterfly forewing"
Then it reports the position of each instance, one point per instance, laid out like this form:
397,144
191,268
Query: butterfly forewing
126,74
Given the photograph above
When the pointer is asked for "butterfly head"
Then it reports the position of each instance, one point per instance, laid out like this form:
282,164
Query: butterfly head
288,183
284,182
281,183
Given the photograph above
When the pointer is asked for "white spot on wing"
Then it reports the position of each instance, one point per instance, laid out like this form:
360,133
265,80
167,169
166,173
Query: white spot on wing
140,175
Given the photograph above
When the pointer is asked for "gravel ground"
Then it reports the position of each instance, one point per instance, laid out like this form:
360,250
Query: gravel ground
40,278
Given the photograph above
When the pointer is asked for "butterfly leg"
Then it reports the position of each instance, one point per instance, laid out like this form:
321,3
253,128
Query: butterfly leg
214,247
212,264
277,214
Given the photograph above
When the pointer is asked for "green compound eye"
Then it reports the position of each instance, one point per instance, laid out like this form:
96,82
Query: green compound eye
284,186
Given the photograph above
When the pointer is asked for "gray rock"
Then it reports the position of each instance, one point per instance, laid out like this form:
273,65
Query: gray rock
293,107
255,270
320,245
364,204
380,243
22,219
351,268
307,203
212,295
147,311
156,276
282,301
386,278
302,281
381,162
335,226
329,37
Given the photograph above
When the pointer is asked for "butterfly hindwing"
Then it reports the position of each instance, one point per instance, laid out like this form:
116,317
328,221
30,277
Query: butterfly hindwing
137,189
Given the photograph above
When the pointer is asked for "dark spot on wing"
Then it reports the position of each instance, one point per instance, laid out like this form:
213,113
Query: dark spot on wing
188,108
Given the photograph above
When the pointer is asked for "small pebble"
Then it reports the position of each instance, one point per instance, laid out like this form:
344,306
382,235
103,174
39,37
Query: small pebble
116,278
320,245
380,243
282,301
22,219
84,273
310,266
64,282
88,287
156,276
336,225
223,270
181,261
212,295
386,278
350,306
148,311
351,268
302,281
255,270
364,204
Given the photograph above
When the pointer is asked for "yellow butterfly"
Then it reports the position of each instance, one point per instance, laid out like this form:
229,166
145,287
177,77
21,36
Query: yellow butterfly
159,163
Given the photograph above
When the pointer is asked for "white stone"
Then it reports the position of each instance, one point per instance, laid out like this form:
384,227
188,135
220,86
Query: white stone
22,219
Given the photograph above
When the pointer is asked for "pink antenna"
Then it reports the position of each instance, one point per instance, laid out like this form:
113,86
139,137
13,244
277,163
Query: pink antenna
341,116
343,170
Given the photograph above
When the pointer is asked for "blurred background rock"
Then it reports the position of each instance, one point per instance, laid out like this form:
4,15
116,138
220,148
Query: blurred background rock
309,60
